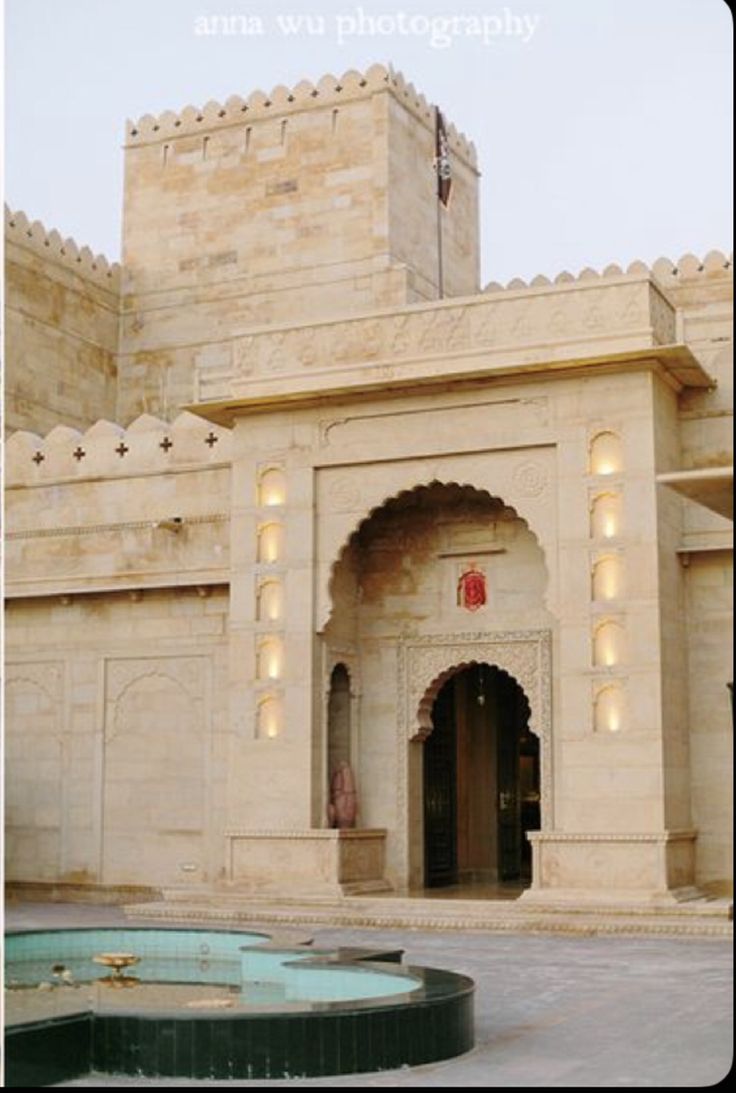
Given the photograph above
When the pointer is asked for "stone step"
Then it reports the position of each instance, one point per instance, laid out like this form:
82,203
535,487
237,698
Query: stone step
493,916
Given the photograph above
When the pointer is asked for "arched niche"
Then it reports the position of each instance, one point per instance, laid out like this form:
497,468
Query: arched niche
606,453
269,717
270,659
606,516
609,708
606,578
270,543
271,487
270,601
608,644
338,719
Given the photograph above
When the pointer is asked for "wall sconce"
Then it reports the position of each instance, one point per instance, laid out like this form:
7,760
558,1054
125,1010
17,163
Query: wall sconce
605,516
272,487
270,538
269,718
605,453
609,709
270,659
608,644
172,523
606,578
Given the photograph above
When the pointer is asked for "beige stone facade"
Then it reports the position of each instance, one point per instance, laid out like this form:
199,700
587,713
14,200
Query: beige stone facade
237,542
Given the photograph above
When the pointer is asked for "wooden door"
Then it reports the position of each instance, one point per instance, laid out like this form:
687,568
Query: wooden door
440,793
509,803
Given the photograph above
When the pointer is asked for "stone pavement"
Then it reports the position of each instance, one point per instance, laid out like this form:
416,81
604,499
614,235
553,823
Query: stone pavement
550,1011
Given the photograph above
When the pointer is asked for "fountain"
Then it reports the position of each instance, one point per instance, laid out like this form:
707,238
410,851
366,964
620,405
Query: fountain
118,962
221,1004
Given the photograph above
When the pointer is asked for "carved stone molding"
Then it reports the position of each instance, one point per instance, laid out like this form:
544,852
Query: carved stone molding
48,677
186,672
425,663
550,315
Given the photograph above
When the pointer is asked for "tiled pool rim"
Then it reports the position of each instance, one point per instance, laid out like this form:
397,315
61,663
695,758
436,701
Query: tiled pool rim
431,1021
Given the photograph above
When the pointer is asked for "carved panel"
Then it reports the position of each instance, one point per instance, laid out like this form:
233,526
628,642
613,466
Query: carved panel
188,672
156,769
514,320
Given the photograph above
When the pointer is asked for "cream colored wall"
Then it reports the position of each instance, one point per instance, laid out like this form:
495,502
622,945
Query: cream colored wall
61,330
99,522
709,585
117,738
704,292
673,619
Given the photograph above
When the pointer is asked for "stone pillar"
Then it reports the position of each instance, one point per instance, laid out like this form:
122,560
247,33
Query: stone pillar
621,828
271,605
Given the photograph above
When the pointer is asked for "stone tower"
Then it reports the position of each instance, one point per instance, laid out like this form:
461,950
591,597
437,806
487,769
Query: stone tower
305,204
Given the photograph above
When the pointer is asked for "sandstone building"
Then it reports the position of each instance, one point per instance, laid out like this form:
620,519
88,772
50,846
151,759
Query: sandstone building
279,499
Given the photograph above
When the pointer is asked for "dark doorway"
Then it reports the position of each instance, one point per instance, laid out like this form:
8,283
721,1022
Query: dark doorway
481,781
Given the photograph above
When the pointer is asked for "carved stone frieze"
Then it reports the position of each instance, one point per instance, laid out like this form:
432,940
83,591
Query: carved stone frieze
517,320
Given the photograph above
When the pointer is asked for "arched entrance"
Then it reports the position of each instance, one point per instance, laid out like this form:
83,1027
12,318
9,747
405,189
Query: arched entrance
481,781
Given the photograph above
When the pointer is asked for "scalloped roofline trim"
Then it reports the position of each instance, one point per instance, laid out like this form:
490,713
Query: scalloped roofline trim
666,272
49,244
328,90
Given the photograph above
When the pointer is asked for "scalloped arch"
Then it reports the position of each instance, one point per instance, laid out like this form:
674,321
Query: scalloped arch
394,500
425,662
424,712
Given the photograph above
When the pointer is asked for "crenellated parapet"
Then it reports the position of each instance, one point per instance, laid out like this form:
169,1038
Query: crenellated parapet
149,446
328,91
715,264
50,245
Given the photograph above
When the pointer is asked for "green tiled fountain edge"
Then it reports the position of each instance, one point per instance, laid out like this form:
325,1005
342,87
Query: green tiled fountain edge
433,1021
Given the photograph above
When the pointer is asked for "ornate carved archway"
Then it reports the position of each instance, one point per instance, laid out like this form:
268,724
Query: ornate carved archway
425,663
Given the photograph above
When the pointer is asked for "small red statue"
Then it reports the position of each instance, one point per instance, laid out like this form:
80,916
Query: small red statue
343,807
471,588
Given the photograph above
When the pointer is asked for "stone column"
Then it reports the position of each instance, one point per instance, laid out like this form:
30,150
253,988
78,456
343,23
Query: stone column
621,829
270,782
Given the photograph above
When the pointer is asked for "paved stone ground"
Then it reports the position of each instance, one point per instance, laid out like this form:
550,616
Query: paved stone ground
550,1011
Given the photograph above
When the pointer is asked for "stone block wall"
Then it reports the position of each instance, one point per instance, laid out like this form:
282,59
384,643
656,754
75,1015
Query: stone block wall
306,203
61,334
709,585
117,738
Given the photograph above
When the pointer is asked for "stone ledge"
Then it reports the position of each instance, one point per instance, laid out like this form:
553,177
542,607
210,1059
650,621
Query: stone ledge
486,916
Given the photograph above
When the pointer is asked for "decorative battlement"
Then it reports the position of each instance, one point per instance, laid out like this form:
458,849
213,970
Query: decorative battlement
50,245
664,270
148,446
283,100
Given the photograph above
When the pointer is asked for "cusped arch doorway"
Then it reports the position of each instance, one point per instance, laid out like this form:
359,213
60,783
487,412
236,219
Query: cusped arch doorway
481,781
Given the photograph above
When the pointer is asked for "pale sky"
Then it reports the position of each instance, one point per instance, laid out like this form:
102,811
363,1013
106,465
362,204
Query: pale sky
603,127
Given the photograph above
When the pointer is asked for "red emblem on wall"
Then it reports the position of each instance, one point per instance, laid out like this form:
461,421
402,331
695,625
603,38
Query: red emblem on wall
471,588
